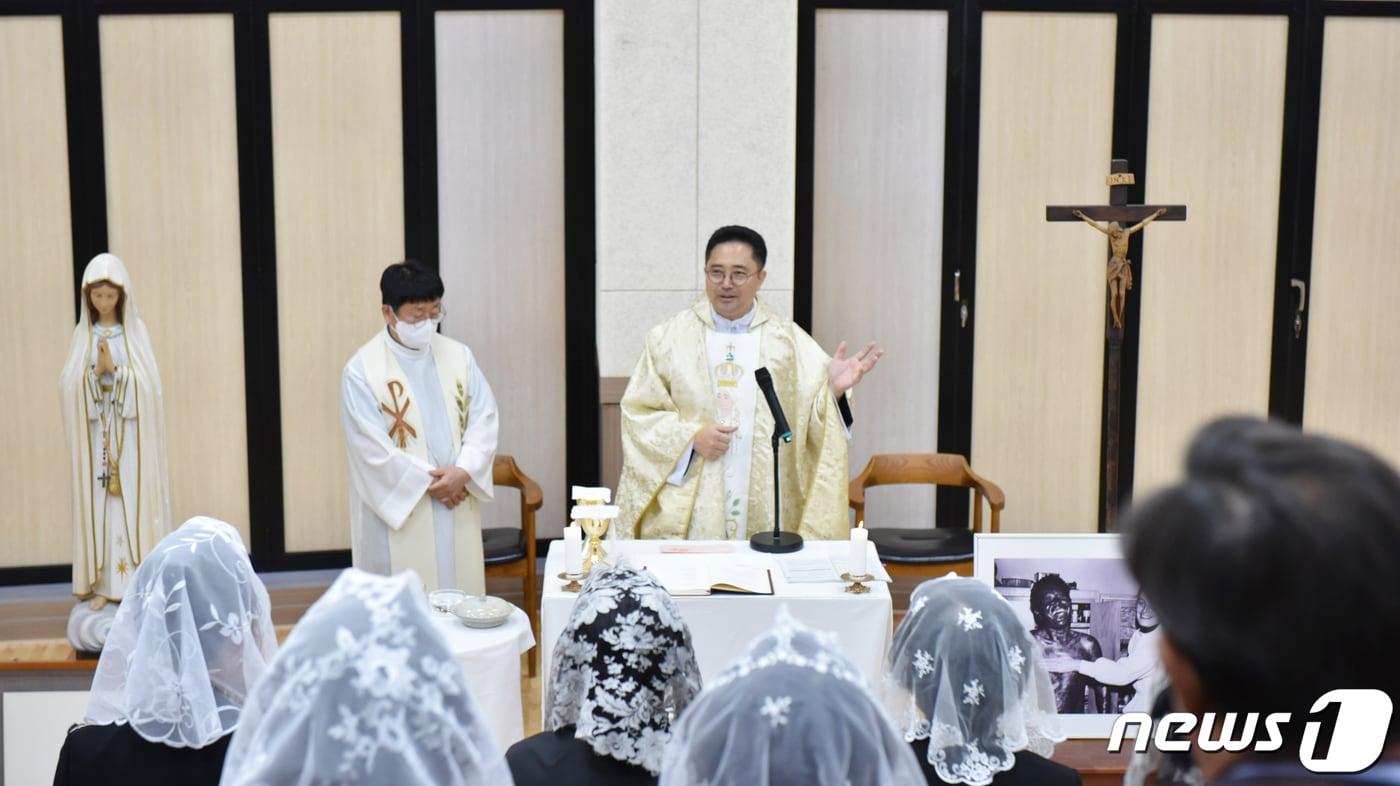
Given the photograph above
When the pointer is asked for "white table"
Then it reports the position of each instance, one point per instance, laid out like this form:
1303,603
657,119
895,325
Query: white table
721,626
36,724
491,659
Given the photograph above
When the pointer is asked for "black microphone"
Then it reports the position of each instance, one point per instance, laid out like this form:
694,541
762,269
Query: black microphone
777,541
780,424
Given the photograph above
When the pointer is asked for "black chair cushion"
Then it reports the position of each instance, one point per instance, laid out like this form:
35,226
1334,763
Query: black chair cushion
938,544
502,545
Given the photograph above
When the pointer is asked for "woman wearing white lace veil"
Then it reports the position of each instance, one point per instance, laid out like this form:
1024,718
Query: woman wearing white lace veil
623,668
968,688
114,416
791,711
192,638
365,691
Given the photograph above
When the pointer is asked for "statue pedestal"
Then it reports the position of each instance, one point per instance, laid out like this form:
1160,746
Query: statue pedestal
87,629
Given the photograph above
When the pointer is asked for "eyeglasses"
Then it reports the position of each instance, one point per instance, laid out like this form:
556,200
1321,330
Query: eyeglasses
739,277
412,316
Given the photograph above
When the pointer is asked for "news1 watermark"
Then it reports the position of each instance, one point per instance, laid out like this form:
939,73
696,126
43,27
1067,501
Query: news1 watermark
1352,725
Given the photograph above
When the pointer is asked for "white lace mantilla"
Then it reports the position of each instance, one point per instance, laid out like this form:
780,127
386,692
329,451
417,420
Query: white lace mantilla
365,690
959,678
792,709
192,636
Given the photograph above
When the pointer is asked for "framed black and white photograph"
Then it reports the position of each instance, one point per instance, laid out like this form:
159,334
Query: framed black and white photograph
1097,635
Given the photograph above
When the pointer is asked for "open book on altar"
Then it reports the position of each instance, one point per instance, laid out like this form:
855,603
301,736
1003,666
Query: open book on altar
693,574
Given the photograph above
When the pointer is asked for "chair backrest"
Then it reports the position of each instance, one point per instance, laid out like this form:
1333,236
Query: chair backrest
939,469
505,472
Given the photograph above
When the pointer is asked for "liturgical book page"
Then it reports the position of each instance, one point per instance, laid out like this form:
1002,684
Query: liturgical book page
685,574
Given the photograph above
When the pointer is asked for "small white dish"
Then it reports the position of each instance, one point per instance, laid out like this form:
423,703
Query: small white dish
483,611
445,600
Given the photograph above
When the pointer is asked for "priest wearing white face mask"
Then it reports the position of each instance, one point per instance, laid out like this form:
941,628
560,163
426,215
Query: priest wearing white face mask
420,430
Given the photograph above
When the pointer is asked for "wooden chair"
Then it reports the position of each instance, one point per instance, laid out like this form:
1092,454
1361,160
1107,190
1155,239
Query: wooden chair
933,550
510,552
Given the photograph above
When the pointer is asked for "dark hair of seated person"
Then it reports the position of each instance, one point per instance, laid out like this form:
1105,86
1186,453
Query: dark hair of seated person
1273,567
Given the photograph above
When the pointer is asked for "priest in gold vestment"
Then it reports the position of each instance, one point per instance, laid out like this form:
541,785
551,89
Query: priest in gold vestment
696,432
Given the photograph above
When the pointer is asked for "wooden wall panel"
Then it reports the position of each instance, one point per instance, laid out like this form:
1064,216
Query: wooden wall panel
337,129
500,104
1353,377
1208,284
36,291
170,143
1046,126
878,227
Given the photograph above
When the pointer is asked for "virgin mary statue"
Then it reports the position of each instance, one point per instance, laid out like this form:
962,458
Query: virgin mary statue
115,422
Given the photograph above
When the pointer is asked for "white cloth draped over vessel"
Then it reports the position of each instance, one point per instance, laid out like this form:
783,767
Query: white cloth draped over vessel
115,425
406,412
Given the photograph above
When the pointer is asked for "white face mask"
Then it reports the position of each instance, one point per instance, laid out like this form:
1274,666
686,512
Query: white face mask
417,335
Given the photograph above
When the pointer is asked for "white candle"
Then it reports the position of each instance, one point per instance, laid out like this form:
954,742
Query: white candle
573,549
859,537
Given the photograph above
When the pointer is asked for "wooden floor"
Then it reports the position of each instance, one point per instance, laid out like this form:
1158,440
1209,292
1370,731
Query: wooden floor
35,630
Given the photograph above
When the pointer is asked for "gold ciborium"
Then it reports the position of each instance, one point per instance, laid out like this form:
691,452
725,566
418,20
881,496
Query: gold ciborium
595,520
594,516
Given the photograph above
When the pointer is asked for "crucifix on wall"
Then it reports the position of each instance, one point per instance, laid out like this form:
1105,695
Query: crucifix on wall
1121,222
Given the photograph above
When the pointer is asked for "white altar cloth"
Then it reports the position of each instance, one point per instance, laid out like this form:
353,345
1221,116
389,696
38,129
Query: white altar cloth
721,626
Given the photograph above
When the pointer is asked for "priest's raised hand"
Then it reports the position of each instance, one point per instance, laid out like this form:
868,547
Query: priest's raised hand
847,372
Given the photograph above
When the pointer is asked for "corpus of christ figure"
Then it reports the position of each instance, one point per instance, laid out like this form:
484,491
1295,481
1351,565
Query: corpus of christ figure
1120,270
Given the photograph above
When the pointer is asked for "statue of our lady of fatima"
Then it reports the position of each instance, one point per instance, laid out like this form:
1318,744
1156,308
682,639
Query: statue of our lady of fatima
115,422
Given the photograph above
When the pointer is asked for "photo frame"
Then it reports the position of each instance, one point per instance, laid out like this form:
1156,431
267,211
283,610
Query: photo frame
1081,604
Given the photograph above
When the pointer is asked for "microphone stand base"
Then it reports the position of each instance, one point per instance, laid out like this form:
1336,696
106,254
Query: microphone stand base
776,542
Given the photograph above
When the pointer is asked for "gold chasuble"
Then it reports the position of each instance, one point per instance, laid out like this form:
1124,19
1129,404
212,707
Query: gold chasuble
671,396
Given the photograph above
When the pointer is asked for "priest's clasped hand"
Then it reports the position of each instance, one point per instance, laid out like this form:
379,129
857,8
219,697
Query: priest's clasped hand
449,485
713,441
847,371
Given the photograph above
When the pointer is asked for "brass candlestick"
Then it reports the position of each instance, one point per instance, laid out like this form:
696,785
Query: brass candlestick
856,587
572,579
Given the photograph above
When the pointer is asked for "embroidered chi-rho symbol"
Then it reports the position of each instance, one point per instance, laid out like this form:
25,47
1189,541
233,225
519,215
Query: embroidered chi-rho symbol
400,431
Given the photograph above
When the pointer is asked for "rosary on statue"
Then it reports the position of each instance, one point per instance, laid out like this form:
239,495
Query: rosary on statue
1122,222
110,421
107,391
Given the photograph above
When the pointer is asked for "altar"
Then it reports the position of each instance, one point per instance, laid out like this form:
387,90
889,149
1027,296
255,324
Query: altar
722,625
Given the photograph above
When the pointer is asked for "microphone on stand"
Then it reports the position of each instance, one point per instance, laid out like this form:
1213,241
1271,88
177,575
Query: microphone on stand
780,424
777,541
